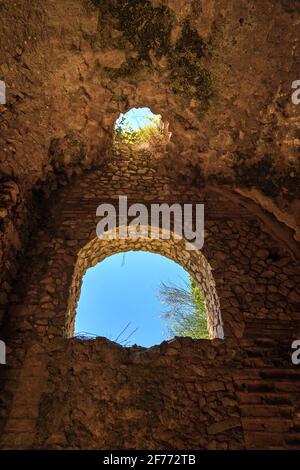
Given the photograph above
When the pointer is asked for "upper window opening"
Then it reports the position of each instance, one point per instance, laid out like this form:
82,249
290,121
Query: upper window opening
140,298
140,128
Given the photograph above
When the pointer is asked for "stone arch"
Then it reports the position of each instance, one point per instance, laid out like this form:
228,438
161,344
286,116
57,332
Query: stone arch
237,246
194,262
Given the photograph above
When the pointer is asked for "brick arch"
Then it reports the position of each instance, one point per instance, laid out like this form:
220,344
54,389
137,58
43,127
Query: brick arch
194,262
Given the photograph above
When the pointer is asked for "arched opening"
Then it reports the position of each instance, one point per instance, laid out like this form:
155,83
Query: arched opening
193,262
142,129
140,298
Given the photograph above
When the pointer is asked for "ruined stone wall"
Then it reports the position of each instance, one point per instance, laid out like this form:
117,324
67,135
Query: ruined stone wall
261,274
183,394
97,394
62,393
71,66
220,72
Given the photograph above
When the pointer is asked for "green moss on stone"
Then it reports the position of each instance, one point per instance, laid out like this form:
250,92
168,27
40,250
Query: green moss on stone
190,79
191,42
145,27
148,29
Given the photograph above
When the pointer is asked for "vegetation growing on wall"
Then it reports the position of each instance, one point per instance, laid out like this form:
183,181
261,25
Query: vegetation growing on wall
186,313
146,31
151,133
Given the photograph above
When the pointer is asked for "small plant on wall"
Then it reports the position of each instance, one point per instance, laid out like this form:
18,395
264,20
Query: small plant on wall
141,131
185,313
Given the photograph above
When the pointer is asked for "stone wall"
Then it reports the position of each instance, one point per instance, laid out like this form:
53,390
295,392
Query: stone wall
241,392
16,214
97,394
71,66
183,394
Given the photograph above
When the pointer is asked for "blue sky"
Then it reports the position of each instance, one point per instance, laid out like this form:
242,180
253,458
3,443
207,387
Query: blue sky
137,117
122,289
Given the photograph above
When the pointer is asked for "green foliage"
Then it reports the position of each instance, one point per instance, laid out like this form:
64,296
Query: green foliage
185,315
151,133
124,133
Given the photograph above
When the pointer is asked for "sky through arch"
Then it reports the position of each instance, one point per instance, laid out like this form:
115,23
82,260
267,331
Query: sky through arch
123,289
